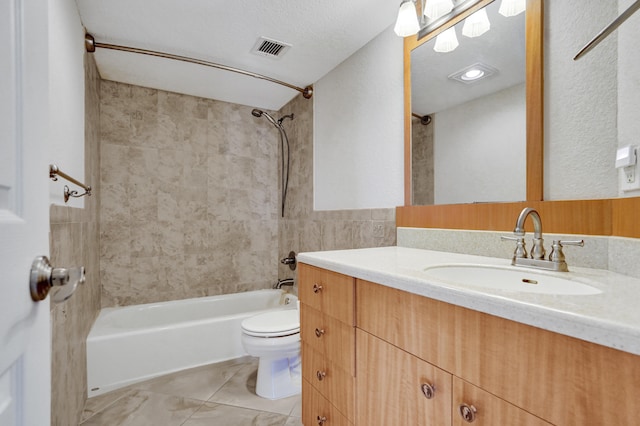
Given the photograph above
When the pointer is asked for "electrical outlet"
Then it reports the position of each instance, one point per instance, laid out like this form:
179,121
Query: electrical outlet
630,180
630,174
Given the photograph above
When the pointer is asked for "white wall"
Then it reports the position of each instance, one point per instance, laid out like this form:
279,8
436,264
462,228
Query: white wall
358,129
66,97
478,151
580,101
628,83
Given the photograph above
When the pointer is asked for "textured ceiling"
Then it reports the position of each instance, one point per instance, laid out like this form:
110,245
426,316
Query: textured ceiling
322,35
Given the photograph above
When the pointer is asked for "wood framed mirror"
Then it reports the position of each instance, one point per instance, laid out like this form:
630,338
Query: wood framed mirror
606,216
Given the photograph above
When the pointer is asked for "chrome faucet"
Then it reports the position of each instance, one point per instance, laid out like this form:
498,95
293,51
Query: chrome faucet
537,252
556,260
286,281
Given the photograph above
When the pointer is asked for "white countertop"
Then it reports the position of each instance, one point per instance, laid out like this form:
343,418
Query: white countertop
610,318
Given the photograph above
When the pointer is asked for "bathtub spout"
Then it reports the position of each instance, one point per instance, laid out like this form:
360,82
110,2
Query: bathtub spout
286,281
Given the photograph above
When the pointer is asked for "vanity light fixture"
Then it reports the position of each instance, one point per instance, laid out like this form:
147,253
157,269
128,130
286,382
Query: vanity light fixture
433,9
473,73
512,7
407,22
447,41
476,24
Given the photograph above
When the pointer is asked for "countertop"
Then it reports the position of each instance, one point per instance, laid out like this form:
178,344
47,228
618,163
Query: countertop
610,318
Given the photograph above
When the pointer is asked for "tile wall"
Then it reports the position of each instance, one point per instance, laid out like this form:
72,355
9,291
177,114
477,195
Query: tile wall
189,201
74,241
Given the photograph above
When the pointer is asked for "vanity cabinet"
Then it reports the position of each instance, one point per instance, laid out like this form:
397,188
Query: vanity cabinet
512,373
327,331
499,371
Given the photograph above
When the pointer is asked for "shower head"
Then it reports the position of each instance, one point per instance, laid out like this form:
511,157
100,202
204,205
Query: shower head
259,113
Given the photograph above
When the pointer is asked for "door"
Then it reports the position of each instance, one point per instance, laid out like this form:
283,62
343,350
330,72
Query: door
25,360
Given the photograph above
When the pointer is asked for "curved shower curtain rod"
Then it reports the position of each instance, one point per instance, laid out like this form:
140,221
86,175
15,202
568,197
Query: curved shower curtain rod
91,44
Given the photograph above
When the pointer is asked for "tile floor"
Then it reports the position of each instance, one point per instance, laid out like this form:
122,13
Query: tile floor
219,394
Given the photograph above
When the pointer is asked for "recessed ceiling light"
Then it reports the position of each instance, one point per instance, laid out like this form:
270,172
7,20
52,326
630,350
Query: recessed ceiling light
473,73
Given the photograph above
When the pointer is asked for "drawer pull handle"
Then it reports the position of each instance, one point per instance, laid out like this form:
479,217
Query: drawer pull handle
317,288
321,420
428,390
321,375
319,332
467,412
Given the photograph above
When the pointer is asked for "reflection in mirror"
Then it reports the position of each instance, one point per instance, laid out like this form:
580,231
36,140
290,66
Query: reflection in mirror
474,148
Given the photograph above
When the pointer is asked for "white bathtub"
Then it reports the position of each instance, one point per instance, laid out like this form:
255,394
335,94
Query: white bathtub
135,343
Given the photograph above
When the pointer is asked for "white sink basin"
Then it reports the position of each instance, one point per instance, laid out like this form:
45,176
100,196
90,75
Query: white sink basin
509,278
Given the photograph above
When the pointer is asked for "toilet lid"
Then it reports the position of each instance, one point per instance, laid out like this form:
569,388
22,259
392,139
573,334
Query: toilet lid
273,324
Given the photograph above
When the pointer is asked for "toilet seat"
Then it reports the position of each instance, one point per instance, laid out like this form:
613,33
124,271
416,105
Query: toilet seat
273,324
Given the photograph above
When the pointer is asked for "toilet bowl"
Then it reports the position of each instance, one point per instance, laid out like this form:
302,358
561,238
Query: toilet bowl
274,337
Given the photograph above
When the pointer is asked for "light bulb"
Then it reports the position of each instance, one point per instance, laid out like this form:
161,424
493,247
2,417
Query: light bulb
512,7
407,22
476,24
447,41
434,9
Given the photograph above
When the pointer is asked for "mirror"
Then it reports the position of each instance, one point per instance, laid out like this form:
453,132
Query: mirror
451,160
473,147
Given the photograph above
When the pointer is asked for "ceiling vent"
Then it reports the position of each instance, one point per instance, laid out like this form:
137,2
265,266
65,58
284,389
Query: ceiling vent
270,48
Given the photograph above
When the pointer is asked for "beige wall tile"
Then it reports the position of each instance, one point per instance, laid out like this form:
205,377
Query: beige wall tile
190,181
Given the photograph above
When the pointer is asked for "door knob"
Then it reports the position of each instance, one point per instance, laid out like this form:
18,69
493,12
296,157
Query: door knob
44,277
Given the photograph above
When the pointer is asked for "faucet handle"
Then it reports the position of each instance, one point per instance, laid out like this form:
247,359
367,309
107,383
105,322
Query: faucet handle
556,254
521,249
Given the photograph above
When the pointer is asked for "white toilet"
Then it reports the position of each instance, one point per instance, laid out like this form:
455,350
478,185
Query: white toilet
274,337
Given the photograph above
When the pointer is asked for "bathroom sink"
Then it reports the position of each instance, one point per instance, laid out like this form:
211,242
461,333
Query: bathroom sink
509,278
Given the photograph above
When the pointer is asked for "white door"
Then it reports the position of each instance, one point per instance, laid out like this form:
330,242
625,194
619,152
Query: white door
25,359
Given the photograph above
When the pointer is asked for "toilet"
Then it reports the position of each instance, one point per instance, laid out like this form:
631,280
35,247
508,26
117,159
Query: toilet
274,337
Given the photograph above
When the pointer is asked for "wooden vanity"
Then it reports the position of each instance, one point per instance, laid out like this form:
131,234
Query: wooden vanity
375,355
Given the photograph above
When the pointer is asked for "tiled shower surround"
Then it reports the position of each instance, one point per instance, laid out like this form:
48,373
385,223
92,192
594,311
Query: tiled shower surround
190,200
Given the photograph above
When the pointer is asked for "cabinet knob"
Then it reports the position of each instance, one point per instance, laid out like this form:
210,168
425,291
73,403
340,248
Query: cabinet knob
321,375
428,390
317,288
321,420
467,412
319,332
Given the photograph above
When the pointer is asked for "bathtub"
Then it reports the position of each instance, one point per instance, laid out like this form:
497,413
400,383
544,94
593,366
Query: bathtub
135,343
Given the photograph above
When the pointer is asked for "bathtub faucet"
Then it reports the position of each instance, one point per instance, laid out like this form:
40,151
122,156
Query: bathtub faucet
286,281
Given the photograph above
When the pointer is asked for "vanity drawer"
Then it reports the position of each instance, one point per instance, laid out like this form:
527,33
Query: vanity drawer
489,409
327,291
333,382
333,339
421,326
316,410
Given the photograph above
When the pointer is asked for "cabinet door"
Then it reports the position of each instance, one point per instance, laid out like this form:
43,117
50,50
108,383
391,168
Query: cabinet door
392,386
328,292
473,405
